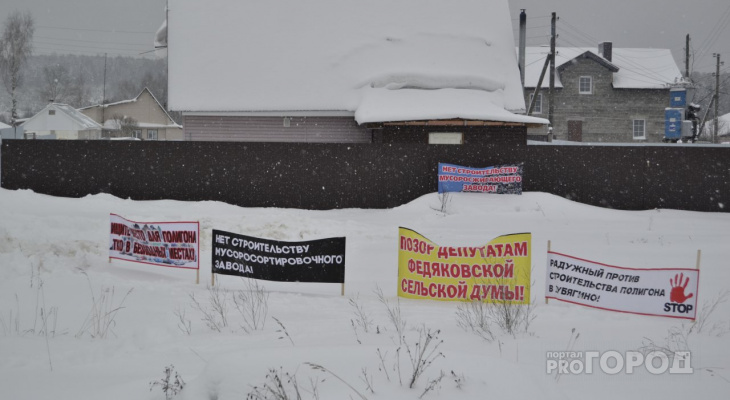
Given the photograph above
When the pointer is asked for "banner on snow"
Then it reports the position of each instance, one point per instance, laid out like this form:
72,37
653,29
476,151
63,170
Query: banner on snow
498,271
502,179
320,260
668,292
169,244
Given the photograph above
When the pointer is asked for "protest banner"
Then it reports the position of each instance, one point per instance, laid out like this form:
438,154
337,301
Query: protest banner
168,244
665,292
501,179
321,260
496,272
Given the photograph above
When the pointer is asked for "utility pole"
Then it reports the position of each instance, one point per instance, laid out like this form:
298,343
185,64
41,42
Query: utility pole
551,93
686,58
523,44
717,99
103,99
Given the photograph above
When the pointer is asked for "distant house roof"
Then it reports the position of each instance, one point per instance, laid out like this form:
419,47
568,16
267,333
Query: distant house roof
145,90
352,56
4,126
67,118
637,68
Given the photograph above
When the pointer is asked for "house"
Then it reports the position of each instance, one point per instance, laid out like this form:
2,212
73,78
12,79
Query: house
604,94
347,72
152,122
6,131
61,121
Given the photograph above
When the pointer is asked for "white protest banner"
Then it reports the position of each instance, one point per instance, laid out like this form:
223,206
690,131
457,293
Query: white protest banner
666,292
169,244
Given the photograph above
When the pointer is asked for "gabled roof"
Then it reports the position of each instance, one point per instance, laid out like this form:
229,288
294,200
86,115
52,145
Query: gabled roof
4,126
637,68
334,55
64,114
172,121
595,57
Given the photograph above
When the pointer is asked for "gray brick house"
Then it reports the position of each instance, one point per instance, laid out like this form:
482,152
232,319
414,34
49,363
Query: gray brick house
604,94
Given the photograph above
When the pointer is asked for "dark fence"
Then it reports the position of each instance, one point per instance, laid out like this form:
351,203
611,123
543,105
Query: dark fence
325,176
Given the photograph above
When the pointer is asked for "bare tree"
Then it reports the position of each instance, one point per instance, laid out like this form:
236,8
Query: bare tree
56,83
123,126
79,93
16,45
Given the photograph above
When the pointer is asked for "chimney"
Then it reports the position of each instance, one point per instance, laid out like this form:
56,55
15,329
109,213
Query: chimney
605,50
523,40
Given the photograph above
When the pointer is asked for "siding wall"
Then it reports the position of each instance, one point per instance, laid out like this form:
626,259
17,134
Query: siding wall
608,113
272,129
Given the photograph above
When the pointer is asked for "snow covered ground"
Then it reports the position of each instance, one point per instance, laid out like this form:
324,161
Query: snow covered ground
53,266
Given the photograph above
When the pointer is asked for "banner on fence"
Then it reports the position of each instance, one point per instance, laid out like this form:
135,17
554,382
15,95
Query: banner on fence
502,179
668,292
498,271
169,244
321,260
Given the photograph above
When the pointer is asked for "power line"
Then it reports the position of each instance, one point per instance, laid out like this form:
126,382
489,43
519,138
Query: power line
90,41
632,66
86,46
717,29
94,30
51,51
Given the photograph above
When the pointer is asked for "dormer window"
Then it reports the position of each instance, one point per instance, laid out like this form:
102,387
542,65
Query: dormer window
585,85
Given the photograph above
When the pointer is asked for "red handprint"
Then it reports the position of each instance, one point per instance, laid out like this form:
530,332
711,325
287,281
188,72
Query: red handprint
677,294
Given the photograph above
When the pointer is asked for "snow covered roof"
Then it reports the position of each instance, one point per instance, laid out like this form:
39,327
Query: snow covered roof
637,68
340,55
71,119
172,124
4,126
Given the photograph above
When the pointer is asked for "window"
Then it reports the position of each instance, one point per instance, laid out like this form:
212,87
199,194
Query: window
138,133
152,134
445,138
585,85
51,112
287,122
538,104
639,129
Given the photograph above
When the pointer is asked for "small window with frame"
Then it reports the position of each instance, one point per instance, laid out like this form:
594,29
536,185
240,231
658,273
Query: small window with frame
585,85
639,129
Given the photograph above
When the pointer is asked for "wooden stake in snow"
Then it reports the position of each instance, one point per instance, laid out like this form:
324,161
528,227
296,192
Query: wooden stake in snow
546,298
699,255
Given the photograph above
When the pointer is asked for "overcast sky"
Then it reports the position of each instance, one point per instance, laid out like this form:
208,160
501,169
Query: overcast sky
127,27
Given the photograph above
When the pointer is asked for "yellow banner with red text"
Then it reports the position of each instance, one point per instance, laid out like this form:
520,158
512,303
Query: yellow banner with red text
496,272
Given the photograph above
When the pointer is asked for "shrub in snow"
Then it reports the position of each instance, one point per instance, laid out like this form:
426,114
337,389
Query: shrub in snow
101,318
678,337
394,314
169,384
215,313
253,305
423,353
482,317
362,318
